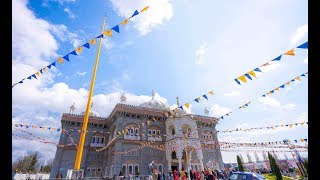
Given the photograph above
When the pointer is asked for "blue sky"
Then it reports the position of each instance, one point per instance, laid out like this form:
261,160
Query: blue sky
178,48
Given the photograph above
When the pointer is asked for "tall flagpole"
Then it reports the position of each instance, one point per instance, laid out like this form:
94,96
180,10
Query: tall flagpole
86,116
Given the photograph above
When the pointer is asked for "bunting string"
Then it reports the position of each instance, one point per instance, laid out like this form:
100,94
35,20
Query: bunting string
243,78
79,50
298,78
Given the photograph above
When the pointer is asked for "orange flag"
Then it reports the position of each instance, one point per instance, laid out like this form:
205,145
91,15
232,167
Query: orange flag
242,78
60,60
276,89
211,92
144,9
108,33
266,64
288,83
291,52
297,78
187,105
44,69
38,73
252,73
79,50
92,42
125,22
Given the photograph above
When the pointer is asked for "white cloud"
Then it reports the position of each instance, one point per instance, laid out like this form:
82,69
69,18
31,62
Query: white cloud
289,106
61,31
125,75
81,73
201,53
233,93
299,34
269,101
157,14
107,44
218,110
68,11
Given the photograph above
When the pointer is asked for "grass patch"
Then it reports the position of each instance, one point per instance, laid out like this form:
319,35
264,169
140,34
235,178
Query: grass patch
273,177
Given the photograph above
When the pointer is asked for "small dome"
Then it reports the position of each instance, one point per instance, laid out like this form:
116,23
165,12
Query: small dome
155,104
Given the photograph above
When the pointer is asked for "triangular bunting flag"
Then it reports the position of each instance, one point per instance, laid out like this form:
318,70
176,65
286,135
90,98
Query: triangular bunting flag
290,53
187,105
292,80
205,96
305,140
303,75
266,64
288,83
135,13
276,89
196,100
297,78
41,71
302,123
282,86
252,73
144,9
79,49
257,70
100,36
304,45
60,60
248,76
242,78
277,58
87,45
211,92
33,75
116,28
38,73
181,107
29,77
108,33
237,81
52,64
66,57
125,22
264,95
74,53
92,41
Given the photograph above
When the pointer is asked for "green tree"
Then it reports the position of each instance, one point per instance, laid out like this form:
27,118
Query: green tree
274,167
240,166
47,167
27,163
305,164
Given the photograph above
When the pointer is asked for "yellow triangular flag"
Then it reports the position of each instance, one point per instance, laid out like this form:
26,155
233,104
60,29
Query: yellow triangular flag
297,78
198,98
291,52
302,140
242,78
290,125
252,73
38,73
108,33
60,60
288,83
144,9
92,42
125,22
187,105
79,50
276,89
44,69
269,92
302,123
211,92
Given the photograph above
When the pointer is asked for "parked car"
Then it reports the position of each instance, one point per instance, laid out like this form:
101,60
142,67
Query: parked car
245,176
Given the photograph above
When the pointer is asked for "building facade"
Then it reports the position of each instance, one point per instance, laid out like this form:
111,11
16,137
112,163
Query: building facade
141,124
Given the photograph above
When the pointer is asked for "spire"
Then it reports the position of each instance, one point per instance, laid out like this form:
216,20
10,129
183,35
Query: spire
123,98
206,112
178,103
153,94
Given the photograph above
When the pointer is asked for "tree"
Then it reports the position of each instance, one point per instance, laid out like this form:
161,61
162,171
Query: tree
305,164
47,168
274,167
27,163
240,166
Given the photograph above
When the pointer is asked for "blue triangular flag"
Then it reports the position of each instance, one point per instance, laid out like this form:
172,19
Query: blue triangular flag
180,107
304,45
272,91
257,69
282,86
41,71
33,75
221,117
205,96
305,140
20,125
302,75
248,76
116,28
66,57
264,95
196,100
277,58
135,13
296,141
52,64
21,82
74,53
100,36
58,129
292,80
29,77
246,104
237,81
87,45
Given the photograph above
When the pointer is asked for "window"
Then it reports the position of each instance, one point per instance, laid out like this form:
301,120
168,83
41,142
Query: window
150,132
137,131
158,132
94,172
88,172
94,139
173,132
130,167
98,140
102,140
99,172
124,169
136,169
173,155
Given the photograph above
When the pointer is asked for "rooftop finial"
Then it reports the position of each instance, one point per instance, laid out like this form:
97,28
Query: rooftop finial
153,94
206,112
72,108
123,98
178,103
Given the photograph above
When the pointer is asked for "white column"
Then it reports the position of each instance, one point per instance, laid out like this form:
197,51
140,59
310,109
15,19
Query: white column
179,156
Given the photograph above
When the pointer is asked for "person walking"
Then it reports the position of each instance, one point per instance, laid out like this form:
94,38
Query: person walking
183,175
175,175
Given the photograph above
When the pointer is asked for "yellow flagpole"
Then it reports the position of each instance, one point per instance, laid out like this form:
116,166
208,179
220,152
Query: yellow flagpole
86,117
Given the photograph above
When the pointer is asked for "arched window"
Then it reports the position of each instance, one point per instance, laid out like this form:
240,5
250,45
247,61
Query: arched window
172,131
136,169
132,130
173,155
94,139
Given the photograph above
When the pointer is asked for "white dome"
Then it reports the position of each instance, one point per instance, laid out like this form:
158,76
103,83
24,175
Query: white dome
155,104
